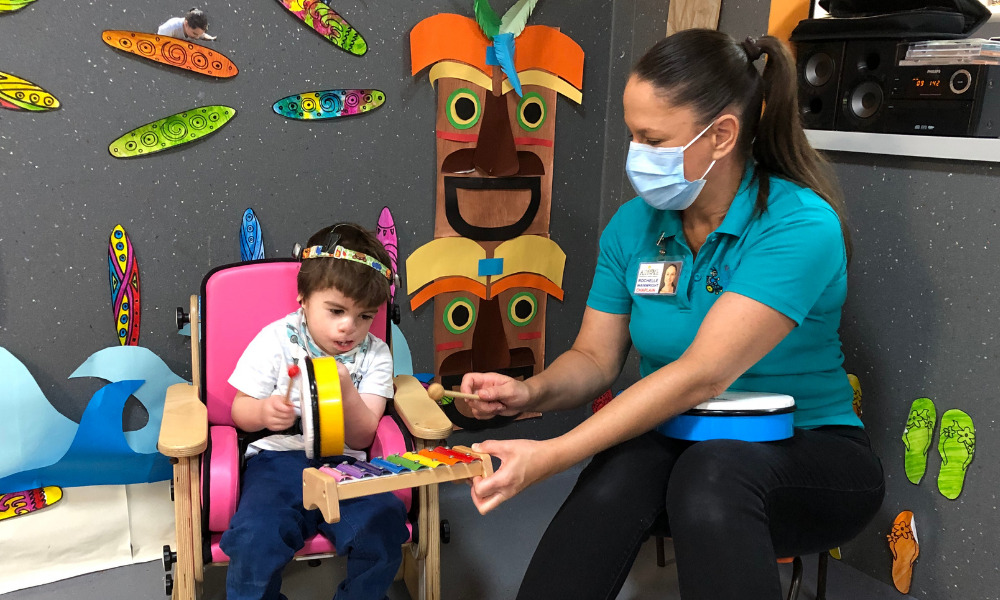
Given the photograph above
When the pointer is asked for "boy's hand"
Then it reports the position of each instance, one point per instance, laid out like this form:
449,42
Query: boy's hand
276,414
210,38
345,375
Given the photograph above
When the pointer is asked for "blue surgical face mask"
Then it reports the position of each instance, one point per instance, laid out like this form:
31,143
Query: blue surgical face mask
657,174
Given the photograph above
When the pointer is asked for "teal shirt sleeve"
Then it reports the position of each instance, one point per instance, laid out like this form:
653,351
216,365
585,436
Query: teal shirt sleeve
609,292
794,258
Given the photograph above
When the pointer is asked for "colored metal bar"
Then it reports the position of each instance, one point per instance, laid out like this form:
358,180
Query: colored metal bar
334,473
388,466
409,464
427,462
438,456
352,471
459,455
369,468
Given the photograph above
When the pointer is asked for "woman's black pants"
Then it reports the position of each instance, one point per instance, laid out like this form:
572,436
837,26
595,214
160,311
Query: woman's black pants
733,508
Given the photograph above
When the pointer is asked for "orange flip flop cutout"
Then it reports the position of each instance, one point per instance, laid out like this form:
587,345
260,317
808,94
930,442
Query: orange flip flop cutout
905,549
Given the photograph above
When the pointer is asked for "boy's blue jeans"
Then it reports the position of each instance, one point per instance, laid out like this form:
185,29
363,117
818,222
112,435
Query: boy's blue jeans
271,524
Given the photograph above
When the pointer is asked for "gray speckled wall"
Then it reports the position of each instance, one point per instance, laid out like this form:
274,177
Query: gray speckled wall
919,322
62,192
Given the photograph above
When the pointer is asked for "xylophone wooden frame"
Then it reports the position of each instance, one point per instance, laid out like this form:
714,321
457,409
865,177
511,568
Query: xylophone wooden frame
322,491
184,438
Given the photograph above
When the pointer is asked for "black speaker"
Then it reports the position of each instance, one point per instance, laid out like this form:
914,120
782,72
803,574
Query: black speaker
818,65
865,80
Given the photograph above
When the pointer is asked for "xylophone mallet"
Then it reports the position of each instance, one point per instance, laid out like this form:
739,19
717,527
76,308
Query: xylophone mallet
436,391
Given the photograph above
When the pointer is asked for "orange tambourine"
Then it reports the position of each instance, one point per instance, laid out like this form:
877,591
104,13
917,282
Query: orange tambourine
172,51
322,408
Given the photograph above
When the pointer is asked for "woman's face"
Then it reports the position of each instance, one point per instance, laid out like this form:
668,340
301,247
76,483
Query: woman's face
654,121
670,275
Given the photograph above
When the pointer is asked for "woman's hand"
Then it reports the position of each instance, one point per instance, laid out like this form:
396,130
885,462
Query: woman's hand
498,394
276,414
523,462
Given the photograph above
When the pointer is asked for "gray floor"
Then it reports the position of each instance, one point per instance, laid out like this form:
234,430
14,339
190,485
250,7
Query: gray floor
484,560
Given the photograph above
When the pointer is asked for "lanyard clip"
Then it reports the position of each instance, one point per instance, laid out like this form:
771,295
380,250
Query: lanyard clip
661,244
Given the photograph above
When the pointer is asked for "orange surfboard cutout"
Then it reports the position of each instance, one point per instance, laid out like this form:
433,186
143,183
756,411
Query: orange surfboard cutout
172,51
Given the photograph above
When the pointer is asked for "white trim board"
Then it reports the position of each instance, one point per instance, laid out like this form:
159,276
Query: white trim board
925,146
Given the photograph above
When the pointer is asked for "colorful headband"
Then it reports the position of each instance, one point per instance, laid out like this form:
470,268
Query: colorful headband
345,254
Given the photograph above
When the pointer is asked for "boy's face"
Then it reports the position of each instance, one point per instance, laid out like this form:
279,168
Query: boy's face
336,323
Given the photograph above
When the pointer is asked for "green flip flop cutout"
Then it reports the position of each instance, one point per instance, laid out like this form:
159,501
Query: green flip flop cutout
957,445
917,437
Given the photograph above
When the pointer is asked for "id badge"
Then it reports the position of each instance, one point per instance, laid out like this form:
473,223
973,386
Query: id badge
659,277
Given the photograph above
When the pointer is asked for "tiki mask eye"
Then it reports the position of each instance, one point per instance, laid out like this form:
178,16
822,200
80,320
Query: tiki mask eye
459,315
531,111
463,108
522,309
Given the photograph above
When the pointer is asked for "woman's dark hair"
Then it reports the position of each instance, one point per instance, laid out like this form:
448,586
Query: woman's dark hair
357,281
709,71
196,19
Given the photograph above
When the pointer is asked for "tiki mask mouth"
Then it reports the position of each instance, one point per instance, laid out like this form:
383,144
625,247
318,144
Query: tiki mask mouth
476,205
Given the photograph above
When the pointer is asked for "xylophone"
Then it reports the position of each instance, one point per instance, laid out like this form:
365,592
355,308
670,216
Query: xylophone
325,487
323,430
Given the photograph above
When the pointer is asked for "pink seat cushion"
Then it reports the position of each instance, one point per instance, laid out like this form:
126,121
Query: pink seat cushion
224,477
237,302
389,440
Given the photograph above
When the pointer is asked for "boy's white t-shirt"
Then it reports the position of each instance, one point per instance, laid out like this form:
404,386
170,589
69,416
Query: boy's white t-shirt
262,371
173,27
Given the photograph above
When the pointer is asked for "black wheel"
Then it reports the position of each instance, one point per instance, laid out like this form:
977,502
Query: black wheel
314,562
445,531
182,318
169,559
168,584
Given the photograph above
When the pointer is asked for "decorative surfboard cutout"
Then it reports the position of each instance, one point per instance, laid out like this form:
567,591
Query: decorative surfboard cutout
326,22
329,104
171,131
251,239
20,94
16,504
13,5
385,231
123,272
171,51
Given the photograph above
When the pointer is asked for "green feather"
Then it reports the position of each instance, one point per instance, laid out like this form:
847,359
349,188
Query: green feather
516,18
487,18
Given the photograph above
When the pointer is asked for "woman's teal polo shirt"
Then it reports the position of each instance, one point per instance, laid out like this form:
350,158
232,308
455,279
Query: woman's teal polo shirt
790,258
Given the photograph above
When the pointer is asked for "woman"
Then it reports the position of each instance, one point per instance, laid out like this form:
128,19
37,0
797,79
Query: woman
748,209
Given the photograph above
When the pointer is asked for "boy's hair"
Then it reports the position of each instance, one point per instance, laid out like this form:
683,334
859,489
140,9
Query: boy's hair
359,282
196,19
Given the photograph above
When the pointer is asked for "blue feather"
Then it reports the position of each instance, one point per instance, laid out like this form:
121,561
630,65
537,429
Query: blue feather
503,46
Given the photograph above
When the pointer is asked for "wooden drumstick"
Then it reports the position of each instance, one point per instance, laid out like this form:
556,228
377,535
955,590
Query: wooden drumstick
293,372
436,391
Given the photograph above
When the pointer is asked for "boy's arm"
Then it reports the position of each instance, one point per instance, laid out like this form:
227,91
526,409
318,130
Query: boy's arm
253,414
361,412
257,404
207,37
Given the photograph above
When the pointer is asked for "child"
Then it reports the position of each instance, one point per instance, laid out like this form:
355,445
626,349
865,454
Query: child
191,26
339,298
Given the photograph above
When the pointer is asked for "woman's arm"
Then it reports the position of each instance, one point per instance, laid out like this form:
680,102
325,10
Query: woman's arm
579,375
736,333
